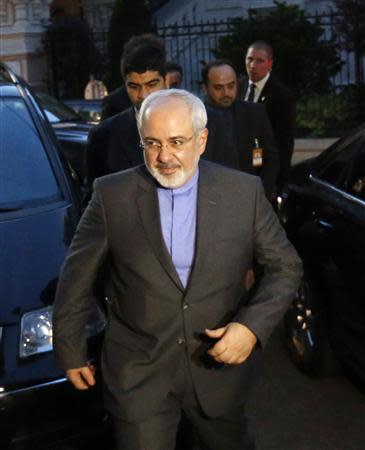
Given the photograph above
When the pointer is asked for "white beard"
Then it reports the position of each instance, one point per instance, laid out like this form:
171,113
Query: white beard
176,180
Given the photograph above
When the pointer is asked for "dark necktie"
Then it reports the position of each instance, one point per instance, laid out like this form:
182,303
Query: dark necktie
251,93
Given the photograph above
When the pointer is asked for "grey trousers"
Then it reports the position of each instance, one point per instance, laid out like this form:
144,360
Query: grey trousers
160,431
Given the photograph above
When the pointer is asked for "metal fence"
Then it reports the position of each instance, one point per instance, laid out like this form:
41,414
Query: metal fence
193,44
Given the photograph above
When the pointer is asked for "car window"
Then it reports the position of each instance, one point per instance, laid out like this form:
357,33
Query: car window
356,179
26,176
55,110
336,170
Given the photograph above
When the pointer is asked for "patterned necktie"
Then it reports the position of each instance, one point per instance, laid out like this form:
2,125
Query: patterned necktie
251,94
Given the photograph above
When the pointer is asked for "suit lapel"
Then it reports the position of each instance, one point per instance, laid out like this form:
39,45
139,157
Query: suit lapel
147,201
266,91
208,199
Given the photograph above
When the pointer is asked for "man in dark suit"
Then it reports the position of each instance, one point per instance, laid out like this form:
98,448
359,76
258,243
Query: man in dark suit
249,144
113,145
117,101
262,87
182,333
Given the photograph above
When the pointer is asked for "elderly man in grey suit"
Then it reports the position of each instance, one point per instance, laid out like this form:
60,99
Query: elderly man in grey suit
183,334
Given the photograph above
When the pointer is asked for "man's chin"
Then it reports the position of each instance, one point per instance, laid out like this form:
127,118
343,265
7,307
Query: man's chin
170,181
226,104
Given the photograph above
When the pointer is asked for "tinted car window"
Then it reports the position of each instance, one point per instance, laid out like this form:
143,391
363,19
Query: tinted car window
335,172
56,111
26,177
356,178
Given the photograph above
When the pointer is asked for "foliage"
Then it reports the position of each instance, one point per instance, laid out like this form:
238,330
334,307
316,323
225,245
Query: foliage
73,56
330,114
303,59
350,26
129,18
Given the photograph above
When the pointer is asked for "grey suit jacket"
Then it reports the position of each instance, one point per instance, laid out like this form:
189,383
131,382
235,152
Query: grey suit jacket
150,310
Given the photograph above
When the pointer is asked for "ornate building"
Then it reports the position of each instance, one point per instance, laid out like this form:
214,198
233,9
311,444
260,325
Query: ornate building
22,24
22,28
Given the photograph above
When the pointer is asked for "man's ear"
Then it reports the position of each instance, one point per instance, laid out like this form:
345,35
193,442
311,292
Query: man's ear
203,140
167,81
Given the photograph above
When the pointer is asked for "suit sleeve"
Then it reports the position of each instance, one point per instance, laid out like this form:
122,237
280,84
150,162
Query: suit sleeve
282,272
75,292
283,118
271,162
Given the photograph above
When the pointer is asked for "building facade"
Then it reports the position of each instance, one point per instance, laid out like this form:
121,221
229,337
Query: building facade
177,11
22,25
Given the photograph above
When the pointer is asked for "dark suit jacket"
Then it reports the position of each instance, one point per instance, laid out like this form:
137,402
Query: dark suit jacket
280,107
114,103
113,145
236,141
150,310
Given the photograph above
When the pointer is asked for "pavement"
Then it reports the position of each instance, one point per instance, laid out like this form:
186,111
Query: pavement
308,148
290,411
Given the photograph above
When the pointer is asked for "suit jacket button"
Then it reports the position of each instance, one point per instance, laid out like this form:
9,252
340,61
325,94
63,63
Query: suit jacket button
181,341
185,306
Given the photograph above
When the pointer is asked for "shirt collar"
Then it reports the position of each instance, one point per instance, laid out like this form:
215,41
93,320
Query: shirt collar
261,83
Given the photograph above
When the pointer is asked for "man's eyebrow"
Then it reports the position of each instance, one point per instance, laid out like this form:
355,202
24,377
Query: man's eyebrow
150,138
177,137
169,138
152,81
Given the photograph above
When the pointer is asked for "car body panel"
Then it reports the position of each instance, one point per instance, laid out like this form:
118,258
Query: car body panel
25,243
40,205
323,211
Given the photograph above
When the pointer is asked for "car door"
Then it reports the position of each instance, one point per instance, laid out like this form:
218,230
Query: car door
340,218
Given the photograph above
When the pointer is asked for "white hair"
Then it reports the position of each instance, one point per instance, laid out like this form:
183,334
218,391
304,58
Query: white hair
195,105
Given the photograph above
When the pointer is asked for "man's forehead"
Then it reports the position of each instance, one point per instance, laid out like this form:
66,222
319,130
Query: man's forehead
171,110
170,104
144,77
259,53
223,72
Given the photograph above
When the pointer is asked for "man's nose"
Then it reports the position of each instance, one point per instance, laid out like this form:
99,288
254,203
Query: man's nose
143,92
164,155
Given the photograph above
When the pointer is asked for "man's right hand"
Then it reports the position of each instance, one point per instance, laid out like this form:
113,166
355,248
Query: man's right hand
82,378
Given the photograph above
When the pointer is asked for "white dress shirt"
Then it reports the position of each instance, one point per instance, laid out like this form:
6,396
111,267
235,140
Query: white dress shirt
259,87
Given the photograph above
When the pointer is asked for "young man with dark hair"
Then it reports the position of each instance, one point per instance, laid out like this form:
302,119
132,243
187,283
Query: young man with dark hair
114,144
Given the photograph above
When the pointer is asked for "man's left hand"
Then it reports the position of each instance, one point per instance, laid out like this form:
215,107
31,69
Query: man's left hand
235,343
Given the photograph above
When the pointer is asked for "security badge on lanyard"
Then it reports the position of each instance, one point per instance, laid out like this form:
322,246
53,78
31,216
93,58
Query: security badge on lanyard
257,154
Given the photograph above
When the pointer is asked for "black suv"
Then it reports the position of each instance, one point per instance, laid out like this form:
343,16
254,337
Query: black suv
323,211
39,210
